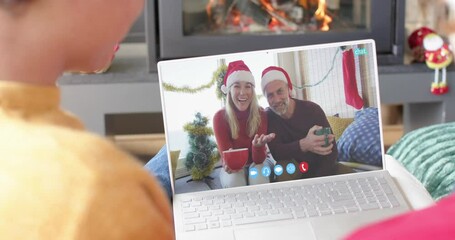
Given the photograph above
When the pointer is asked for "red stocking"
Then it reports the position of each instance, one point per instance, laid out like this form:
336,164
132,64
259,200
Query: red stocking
350,82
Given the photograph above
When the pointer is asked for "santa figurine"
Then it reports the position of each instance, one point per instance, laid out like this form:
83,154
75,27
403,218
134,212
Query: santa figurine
437,56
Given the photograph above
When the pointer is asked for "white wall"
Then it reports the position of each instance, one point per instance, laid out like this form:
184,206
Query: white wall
90,102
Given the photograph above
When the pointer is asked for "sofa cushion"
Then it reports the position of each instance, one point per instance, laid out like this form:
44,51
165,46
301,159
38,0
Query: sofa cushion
429,154
338,125
361,141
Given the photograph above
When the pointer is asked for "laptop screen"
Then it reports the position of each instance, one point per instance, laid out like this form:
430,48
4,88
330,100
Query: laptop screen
269,116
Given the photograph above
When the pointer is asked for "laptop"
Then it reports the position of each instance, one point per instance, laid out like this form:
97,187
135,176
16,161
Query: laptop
342,79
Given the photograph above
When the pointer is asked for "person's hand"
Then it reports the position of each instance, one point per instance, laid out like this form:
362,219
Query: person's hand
314,143
227,168
260,141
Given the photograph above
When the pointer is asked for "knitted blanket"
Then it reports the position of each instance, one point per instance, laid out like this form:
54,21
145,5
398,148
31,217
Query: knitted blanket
429,154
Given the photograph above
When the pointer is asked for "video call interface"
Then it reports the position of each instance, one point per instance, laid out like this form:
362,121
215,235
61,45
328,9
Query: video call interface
340,79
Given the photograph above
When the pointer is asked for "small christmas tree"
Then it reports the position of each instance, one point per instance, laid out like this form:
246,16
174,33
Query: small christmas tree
203,153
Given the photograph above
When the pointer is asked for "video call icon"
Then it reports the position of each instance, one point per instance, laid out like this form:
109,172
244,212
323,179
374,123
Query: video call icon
253,172
278,170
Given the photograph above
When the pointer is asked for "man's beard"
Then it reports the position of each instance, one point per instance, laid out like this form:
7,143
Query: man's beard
284,108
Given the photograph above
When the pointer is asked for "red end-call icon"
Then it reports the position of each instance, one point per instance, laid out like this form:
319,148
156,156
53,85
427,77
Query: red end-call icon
303,167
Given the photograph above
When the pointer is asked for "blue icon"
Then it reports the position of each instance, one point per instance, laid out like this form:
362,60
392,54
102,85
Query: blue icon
290,168
278,170
253,172
266,171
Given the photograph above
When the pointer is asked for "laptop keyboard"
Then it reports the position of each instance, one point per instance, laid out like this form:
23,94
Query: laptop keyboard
345,196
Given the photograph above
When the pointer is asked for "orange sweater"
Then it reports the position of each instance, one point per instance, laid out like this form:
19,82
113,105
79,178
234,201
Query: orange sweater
59,182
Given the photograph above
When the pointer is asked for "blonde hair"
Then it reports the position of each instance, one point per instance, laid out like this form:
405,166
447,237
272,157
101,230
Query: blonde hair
254,117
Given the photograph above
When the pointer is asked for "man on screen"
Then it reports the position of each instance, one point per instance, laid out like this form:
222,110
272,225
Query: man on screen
296,124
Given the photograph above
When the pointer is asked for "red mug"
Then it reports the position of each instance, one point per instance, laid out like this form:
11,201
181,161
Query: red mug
235,159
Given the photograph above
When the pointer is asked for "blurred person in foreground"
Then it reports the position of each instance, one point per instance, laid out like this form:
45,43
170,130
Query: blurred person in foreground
56,180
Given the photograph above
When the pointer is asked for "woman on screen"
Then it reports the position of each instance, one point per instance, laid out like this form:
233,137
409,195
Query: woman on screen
241,124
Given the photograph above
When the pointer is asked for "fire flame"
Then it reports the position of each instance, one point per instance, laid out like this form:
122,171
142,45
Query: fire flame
321,15
278,18
267,5
208,8
274,22
211,4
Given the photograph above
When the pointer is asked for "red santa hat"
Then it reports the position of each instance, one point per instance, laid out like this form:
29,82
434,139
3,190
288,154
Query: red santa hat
415,42
273,73
237,71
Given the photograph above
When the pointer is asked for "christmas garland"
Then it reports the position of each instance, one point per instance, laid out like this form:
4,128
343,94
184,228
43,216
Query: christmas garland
218,78
187,89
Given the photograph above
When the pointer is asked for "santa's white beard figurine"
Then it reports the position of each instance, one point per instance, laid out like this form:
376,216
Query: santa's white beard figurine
437,56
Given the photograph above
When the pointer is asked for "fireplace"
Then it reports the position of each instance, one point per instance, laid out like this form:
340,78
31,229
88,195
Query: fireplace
202,27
